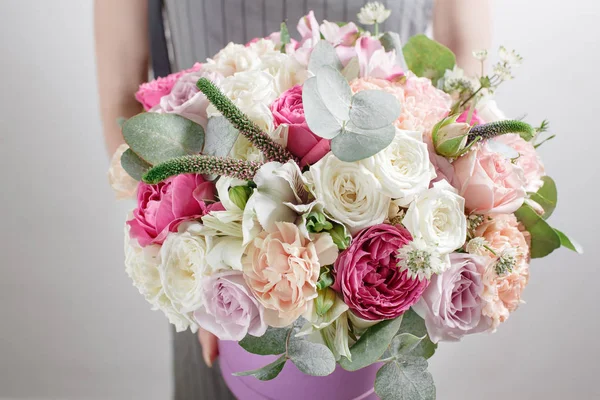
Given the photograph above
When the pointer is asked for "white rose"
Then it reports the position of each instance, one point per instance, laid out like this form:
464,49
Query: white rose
233,58
182,321
349,192
141,264
184,264
285,70
438,217
403,168
124,185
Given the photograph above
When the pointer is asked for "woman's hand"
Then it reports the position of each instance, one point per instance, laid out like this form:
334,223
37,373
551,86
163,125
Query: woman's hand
209,343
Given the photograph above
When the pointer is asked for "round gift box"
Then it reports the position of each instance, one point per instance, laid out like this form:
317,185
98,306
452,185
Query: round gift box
291,384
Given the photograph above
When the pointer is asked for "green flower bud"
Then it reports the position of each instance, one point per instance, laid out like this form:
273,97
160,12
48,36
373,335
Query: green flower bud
450,137
324,301
239,195
317,222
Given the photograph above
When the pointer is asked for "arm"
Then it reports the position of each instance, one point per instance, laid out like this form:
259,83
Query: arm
463,26
121,31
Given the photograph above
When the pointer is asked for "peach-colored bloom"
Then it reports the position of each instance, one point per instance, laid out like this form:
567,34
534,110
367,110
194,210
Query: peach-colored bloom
282,269
503,232
423,105
124,185
528,159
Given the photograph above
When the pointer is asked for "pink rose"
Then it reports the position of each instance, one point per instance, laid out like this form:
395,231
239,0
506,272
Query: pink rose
229,310
282,269
302,143
367,275
162,207
475,119
489,182
452,304
150,93
528,159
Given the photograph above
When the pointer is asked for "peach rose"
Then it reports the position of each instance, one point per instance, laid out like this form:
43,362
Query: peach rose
528,160
124,185
282,268
489,182
423,105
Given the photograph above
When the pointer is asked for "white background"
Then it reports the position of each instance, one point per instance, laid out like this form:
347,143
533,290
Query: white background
71,324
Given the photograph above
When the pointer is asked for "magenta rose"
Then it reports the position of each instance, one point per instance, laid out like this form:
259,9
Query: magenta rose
302,143
452,304
150,93
162,207
367,275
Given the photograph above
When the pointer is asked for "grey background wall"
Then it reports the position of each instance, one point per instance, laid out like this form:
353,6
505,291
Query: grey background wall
71,325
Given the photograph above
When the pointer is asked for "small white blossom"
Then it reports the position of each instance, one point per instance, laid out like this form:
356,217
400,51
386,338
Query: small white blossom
506,262
373,13
510,57
420,260
477,246
480,55
503,71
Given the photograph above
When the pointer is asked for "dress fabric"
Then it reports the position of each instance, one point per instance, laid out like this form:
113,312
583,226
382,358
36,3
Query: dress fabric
183,32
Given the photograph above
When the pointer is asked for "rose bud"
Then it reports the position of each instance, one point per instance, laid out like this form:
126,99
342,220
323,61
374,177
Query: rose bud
450,137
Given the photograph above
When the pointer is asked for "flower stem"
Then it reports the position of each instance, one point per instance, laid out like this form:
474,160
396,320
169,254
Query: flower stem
493,129
271,150
198,164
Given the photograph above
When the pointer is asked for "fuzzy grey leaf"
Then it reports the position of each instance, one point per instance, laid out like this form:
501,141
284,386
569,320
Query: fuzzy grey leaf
133,165
322,55
271,343
335,92
357,144
374,109
220,137
267,372
415,325
311,358
405,379
318,117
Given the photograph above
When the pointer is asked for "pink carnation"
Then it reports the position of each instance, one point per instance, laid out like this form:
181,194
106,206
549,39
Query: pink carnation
150,93
528,159
423,105
162,207
302,143
367,275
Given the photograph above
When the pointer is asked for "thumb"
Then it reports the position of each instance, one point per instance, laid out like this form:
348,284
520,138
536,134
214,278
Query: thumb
209,344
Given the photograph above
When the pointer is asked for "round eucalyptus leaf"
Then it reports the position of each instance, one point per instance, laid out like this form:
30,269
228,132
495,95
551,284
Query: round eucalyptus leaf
220,137
351,146
323,54
133,165
335,92
318,117
374,109
311,358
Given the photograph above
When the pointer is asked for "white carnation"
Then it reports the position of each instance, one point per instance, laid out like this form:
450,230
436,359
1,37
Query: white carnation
438,217
403,168
349,192
233,58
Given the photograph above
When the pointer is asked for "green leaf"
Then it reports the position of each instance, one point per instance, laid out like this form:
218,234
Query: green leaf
323,54
267,372
160,137
415,325
284,36
569,243
391,41
405,344
273,342
352,69
356,144
318,117
546,196
220,137
374,109
371,345
544,239
405,379
428,58
133,165
311,358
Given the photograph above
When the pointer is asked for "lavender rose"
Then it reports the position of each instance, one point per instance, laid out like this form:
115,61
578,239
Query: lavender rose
369,279
229,310
451,306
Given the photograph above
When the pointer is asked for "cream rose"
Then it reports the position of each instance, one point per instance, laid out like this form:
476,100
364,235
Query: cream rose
141,264
403,168
233,58
349,191
124,185
438,217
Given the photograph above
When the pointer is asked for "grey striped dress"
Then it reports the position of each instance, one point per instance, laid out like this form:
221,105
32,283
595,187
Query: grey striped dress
185,31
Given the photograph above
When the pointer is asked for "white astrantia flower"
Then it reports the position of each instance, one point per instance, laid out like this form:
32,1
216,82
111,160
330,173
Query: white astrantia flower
233,58
403,168
480,55
349,192
438,217
477,246
510,57
373,13
421,260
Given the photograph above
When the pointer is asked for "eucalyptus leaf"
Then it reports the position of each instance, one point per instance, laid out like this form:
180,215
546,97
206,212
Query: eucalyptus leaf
220,137
273,342
546,197
133,165
352,69
157,138
350,146
405,379
317,114
428,58
335,92
371,345
267,372
569,243
544,239
415,325
391,42
311,358
323,54
405,344
374,109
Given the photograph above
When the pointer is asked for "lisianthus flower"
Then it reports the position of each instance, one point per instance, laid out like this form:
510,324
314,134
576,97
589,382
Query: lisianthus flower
150,93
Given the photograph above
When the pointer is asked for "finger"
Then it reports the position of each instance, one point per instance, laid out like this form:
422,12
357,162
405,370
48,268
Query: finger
210,348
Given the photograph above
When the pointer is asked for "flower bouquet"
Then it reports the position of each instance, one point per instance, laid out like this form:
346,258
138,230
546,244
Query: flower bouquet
339,202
